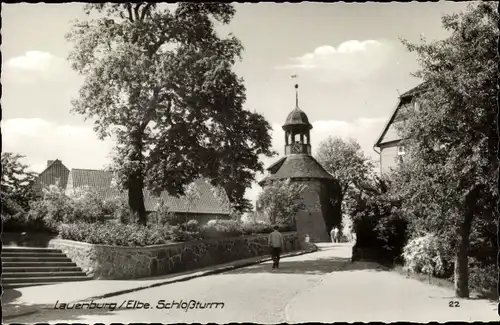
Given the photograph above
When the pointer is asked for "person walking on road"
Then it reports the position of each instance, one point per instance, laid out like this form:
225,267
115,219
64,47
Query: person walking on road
276,244
334,234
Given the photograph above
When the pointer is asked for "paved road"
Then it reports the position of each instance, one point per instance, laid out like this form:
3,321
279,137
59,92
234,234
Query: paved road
322,286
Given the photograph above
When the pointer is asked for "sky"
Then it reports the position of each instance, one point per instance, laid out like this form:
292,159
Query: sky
350,63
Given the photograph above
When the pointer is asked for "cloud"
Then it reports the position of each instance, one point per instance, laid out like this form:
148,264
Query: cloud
351,59
35,66
364,130
31,60
40,140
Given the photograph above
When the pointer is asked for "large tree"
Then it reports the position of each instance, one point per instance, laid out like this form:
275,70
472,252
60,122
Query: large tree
161,81
346,162
17,180
449,178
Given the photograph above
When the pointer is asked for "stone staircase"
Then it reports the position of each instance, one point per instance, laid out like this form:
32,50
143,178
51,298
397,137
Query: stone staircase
29,266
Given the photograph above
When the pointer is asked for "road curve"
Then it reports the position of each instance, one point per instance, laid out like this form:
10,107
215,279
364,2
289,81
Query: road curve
323,286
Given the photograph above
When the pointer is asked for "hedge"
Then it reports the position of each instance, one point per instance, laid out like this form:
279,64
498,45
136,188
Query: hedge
113,233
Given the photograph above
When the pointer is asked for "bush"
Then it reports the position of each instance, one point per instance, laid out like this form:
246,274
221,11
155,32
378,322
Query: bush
34,220
14,222
232,228
424,255
221,228
192,225
24,222
256,228
113,234
183,232
484,279
178,234
119,210
137,235
163,216
86,207
56,207
379,226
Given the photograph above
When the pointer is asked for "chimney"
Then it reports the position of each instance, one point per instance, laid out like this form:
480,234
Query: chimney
49,162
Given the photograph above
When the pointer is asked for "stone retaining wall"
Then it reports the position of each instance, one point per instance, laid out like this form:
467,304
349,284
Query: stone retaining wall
115,262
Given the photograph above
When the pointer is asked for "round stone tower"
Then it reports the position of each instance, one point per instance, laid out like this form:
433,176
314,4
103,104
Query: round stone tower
316,219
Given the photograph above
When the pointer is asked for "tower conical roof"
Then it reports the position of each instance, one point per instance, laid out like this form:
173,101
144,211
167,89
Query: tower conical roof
297,166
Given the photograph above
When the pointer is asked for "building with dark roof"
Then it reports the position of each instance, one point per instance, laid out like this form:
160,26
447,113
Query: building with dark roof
300,166
204,207
54,174
388,143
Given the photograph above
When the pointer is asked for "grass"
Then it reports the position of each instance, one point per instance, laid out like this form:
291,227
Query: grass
443,283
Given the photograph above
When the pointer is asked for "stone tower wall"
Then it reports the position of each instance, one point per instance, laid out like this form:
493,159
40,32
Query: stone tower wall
310,221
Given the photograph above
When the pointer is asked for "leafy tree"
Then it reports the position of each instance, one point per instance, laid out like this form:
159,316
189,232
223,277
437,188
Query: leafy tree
449,177
17,181
281,201
376,219
235,190
56,207
191,195
160,80
345,161
87,205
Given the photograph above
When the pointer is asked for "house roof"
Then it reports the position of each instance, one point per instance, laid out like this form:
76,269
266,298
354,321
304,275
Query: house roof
101,183
405,97
55,172
415,90
91,177
299,166
206,203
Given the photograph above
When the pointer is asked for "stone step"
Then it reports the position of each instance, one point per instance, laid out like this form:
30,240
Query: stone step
24,267
62,258
8,274
37,264
41,269
14,249
44,279
32,254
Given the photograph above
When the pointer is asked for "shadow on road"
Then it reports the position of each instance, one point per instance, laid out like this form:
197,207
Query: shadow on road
9,295
316,266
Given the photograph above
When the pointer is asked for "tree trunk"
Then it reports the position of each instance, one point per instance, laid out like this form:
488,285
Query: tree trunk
136,178
461,269
136,197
